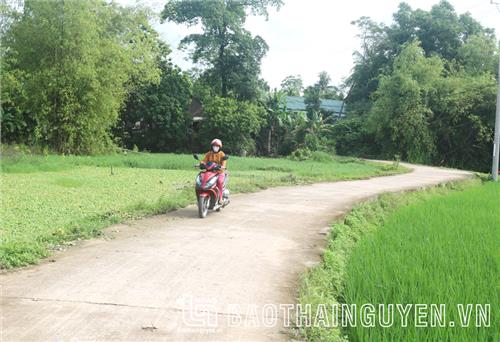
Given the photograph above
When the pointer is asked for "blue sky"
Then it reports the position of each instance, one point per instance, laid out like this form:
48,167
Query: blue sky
309,36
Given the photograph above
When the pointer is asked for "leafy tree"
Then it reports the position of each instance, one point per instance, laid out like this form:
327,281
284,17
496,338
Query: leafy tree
320,90
463,107
478,55
326,90
429,102
155,118
427,115
373,60
235,122
323,82
277,126
13,93
312,100
352,137
78,60
400,116
230,53
314,134
292,85
441,31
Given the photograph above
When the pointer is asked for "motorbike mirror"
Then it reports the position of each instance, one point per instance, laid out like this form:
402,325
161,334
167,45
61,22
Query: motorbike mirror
226,157
196,157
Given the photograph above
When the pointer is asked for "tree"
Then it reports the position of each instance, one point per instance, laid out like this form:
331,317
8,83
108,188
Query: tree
327,90
352,137
155,117
229,53
441,32
13,93
313,134
463,122
292,85
320,90
374,59
429,115
15,120
78,60
477,55
235,122
312,100
400,116
323,82
278,124
430,101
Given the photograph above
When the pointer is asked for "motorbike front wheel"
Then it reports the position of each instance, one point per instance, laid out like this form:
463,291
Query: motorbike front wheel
203,206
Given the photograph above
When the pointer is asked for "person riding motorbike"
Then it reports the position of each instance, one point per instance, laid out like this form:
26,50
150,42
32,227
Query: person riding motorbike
215,155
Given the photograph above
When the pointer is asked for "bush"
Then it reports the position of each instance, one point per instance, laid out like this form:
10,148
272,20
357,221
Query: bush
302,153
312,142
321,157
352,138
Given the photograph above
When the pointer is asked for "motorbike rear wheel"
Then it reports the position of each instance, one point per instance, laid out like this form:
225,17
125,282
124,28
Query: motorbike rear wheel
203,206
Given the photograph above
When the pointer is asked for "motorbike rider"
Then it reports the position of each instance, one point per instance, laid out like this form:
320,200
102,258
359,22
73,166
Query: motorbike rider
215,155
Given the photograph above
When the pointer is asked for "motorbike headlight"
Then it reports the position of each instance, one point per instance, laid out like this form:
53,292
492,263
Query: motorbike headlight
211,182
198,181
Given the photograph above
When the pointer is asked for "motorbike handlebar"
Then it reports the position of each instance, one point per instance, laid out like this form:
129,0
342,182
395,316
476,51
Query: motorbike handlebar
202,166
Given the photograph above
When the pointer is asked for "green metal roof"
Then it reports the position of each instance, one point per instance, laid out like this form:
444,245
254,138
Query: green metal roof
296,103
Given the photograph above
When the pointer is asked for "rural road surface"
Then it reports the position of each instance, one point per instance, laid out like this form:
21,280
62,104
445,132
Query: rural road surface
177,277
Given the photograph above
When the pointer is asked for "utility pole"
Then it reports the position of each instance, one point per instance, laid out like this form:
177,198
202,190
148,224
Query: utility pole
496,139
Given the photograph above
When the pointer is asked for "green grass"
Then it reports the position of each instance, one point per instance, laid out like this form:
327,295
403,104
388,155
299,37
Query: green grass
435,246
49,200
317,169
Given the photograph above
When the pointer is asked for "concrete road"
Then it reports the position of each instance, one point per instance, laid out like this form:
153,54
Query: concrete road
176,277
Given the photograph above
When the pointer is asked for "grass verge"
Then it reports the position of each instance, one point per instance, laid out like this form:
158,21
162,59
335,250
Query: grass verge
49,200
437,246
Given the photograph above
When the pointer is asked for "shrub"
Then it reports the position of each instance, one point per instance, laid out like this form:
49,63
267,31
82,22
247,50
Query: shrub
302,153
321,156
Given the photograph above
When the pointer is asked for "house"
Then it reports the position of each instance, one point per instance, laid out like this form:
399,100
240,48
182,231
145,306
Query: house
335,108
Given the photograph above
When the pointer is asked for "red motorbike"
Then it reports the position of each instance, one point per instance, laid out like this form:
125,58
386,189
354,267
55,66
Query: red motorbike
207,192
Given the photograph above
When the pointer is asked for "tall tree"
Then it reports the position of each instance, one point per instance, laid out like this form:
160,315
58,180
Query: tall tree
401,115
155,117
312,100
441,31
369,63
277,124
323,82
463,107
230,53
14,121
326,89
322,89
438,117
477,55
78,60
292,85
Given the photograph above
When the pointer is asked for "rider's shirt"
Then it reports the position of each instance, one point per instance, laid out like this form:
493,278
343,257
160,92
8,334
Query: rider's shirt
215,158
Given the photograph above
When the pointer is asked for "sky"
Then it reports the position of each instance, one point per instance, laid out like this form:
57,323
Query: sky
306,37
